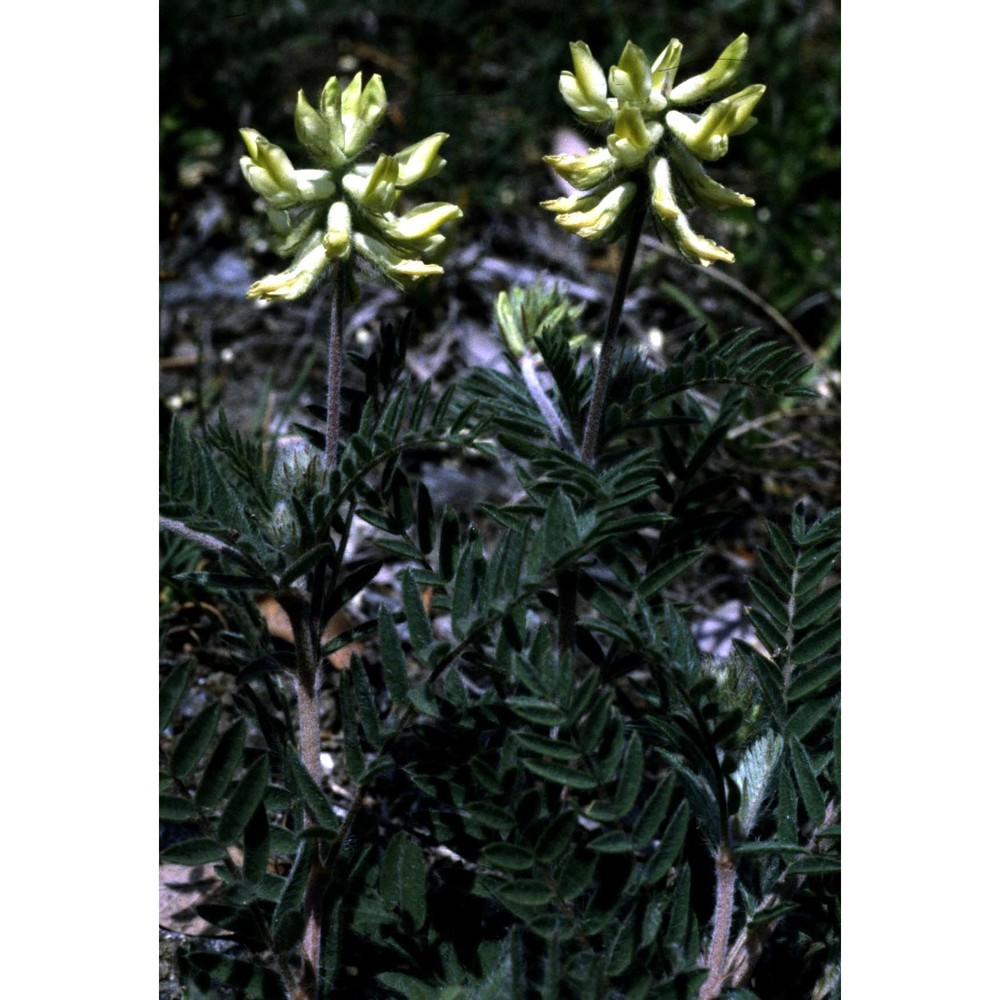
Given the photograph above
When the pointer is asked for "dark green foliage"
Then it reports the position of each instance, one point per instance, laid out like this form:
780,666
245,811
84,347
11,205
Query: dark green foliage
194,742
172,690
524,820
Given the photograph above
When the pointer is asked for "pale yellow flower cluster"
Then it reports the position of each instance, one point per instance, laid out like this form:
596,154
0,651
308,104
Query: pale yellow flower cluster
343,207
641,103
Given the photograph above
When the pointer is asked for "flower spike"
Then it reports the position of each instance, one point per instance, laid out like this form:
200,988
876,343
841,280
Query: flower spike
649,134
342,207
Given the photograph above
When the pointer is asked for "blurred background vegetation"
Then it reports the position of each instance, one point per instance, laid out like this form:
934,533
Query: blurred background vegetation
487,74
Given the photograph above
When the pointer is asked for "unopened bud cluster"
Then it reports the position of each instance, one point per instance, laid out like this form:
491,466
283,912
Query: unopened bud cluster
342,207
650,133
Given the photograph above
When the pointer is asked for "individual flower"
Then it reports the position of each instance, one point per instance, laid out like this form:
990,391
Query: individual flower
341,208
639,102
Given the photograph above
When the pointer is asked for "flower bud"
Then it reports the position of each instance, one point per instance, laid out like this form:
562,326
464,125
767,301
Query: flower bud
414,270
311,129
663,200
337,239
631,80
268,170
584,89
696,137
421,160
361,111
259,179
330,102
298,228
280,219
632,138
695,248
725,68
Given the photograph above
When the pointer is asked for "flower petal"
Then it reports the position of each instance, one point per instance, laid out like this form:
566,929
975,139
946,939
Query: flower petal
584,89
298,279
708,136
361,111
706,191
380,194
423,220
421,160
664,68
631,79
398,269
585,171
633,139
595,221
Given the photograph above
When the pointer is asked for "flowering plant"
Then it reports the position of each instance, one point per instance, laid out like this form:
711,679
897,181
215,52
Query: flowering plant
443,706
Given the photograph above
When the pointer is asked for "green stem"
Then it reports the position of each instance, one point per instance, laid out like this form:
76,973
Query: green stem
596,409
335,365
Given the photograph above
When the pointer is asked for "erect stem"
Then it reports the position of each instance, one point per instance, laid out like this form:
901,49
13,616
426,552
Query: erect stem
725,884
307,681
335,364
596,409
749,944
566,582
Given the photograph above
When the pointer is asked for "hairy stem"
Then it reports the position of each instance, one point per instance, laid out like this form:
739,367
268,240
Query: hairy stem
335,365
566,582
749,944
596,409
305,633
725,885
